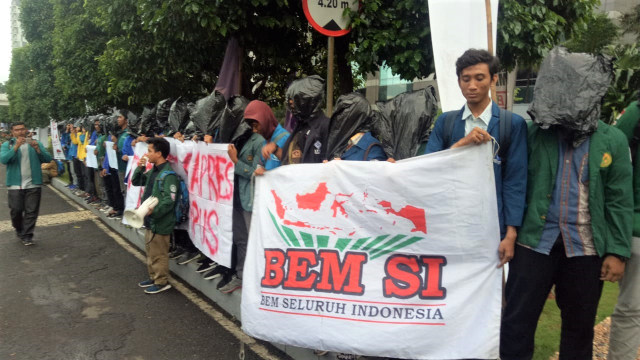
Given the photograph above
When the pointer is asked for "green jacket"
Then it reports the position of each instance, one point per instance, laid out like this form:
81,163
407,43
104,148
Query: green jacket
627,124
248,160
11,158
610,177
163,217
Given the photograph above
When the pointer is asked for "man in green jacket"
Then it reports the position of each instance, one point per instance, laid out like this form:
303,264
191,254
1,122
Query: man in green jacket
624,339
577,224
23,158
162,183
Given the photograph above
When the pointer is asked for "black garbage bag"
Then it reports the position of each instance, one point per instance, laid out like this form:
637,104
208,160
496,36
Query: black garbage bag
148,125
133,124
569,91
241,135
407,118
189,129
352,115
111,125
308,97
178,116
233,116
381,127
162,115
208,113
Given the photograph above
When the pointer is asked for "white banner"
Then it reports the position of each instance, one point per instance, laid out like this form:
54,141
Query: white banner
456,26
112,155
58,154
92,159
211,200
374,258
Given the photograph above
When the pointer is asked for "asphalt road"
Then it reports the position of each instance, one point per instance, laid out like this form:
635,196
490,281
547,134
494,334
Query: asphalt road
74,295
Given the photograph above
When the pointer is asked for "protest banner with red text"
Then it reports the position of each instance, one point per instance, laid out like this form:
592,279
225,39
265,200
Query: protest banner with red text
58,154
374,258
211,201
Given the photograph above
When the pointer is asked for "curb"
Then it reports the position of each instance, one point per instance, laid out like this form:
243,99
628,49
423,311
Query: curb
230,303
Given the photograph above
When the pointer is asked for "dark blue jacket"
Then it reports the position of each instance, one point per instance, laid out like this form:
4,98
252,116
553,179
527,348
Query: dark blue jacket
357,151
510,174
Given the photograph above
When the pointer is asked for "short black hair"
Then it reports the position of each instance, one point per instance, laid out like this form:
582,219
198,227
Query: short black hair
474,57
16,124
160,144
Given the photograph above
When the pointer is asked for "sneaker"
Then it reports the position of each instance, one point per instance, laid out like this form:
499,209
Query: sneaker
188,257
226,277
216,272
145,283
72,187
343,356
27,241
176,253
106,209
234,284
206,266
154,289
320,352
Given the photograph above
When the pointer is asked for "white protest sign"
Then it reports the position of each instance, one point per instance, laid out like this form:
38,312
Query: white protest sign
456,26
374,258
58,154
92,160
111,155
134,193
211,200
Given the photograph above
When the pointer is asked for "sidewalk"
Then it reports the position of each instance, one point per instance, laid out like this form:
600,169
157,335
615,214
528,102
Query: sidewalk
187,273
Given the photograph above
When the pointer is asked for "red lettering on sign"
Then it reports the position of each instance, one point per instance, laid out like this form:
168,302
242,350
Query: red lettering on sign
341,277
274,268
195,182
404,277
415,215
313,201
209,237
299,276
219,167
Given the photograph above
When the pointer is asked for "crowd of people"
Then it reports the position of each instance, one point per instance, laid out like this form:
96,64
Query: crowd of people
565,185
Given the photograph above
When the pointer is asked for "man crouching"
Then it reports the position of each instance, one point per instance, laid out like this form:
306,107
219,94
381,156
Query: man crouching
162,183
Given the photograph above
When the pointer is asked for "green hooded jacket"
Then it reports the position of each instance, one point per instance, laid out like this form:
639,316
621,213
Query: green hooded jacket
11,158
163,217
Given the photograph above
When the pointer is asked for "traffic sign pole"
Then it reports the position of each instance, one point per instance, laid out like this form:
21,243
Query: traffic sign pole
330,49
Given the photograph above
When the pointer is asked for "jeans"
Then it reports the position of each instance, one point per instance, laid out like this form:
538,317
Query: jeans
24,206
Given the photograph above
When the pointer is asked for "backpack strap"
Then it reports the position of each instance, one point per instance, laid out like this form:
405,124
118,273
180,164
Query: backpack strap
366,153
163,175
450,121
505,134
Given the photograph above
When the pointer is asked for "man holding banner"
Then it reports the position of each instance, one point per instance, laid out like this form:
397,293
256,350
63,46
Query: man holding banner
480,120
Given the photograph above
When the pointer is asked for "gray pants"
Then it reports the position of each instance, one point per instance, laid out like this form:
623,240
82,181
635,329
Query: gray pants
24,206
73,173
624,340
241,223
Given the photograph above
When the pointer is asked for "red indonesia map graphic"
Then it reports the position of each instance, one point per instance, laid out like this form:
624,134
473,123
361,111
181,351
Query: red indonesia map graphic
313,201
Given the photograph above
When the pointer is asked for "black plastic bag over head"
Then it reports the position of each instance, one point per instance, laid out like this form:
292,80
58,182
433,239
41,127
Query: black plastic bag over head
189,129
405,121
352,115
148,125
133,123
208,112
241,135
178,116
308,97
569,91
233,116
162,115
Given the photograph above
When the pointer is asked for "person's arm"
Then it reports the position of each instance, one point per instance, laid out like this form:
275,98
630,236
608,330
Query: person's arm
435,142
8,153
139,177
43,154
168,195
514,175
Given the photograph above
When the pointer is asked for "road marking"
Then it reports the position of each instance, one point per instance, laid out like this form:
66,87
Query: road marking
54,219
196,299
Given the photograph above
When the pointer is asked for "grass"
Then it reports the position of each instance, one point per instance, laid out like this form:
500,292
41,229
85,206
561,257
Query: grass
548,331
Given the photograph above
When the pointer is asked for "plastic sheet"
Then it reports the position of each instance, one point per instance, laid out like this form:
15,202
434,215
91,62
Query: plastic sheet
308,97
208,112
233,115
569,91
162,115
178,116
405,121
352,115
148,125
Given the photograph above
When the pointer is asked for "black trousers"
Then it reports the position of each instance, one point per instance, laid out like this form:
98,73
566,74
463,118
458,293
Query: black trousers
71,175
89,180
79,167
114,194
578,289
24,206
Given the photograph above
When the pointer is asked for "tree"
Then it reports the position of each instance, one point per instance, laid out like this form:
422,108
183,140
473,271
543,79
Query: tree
599,32
630,22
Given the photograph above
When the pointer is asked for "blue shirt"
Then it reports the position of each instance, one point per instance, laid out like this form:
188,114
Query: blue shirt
568,213
65,141
279,136
93,138
358,150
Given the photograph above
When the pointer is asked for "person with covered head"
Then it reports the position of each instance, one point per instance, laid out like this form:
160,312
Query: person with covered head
307,143
624,339
577,226
350,137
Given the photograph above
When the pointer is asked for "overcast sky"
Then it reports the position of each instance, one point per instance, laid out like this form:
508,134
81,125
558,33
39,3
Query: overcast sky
5,39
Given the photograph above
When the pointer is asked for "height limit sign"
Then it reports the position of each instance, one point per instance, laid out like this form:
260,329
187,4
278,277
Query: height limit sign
327,16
